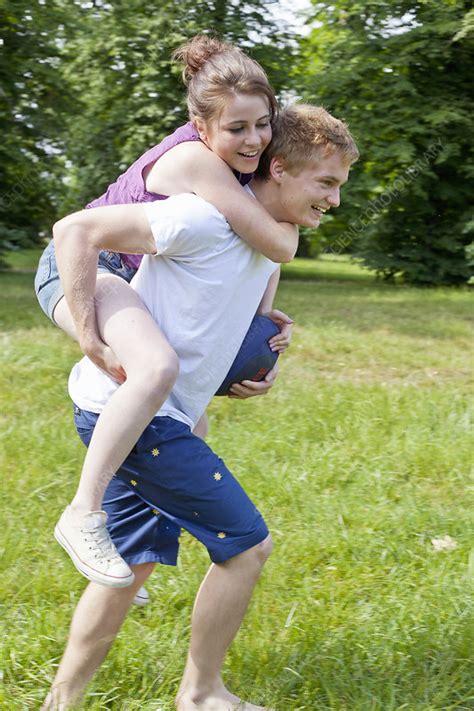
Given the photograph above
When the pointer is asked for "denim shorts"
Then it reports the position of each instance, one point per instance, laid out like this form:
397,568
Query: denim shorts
169,481
48,285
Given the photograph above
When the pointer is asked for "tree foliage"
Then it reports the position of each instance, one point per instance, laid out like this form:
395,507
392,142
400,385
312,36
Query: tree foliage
33,101
88,85
400,74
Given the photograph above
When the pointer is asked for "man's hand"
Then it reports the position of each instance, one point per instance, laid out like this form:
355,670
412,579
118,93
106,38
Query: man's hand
104,358
281,341
249,388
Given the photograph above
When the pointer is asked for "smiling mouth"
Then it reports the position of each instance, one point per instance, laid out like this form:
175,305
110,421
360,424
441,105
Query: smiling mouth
318,208
250,154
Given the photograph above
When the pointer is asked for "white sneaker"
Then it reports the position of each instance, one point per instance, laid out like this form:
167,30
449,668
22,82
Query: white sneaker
90,548
141,598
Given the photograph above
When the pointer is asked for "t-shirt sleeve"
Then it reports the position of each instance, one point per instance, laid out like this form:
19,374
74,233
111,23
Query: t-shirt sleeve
184,225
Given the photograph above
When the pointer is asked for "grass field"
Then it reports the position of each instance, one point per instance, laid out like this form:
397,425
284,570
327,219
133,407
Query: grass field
359,459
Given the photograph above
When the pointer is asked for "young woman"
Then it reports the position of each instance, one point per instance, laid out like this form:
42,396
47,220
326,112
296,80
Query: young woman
231,106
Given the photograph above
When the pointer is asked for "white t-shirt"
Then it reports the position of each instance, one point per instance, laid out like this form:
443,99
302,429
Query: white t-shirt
203,290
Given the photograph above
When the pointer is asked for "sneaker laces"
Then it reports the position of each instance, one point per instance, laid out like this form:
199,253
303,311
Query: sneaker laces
99,538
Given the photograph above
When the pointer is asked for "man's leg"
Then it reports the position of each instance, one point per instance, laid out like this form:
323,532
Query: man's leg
218,612
95,624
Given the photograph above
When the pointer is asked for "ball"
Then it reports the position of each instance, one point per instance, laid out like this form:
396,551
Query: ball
254,359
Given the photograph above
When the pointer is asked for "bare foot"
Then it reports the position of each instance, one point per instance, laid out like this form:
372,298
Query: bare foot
52,704
57,699
225,701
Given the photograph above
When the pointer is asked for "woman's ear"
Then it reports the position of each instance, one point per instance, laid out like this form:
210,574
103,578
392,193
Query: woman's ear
200,128
277,168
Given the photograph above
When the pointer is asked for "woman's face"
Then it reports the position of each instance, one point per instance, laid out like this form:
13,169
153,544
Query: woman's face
241,132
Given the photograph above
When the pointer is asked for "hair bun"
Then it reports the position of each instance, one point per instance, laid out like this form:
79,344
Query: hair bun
196,52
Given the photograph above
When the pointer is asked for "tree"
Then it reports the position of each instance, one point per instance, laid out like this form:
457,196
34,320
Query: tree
399,73
32,97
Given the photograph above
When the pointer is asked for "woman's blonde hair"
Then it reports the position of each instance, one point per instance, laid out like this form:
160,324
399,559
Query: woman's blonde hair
214,71
302,134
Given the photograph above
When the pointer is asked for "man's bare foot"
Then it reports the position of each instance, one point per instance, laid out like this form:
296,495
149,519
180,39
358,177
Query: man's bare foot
223,701
53,704
59,699
49,704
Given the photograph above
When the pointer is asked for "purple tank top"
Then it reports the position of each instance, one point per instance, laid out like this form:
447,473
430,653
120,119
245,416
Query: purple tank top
130,186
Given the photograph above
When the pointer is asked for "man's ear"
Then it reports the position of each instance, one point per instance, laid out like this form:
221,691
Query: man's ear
276,169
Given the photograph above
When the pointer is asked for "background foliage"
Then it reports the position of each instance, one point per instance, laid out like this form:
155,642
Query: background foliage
33,104
400,73
88,86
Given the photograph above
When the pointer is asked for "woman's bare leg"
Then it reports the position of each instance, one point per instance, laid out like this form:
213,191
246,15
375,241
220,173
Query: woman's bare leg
151,367
63,319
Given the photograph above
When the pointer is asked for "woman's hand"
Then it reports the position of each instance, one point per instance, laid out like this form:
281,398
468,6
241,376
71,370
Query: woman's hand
104,358
281,341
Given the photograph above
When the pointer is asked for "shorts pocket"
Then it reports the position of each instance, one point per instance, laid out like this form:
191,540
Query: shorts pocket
85,423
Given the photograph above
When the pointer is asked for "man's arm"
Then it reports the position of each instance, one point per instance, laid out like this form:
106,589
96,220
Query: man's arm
78,240
268,298
279,342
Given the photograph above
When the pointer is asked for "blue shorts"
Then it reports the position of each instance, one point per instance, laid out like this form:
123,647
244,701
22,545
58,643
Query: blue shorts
48,286
173,480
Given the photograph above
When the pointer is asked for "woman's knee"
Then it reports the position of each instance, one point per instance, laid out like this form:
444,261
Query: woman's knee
169,369
137,341
158,372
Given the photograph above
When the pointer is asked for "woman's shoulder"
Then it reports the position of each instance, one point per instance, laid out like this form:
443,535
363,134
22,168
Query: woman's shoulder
176,170
183,134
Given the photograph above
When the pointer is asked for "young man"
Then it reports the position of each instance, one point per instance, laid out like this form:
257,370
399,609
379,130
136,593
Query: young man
203,286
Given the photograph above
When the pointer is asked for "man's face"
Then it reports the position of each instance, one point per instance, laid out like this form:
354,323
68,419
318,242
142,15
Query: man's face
307,194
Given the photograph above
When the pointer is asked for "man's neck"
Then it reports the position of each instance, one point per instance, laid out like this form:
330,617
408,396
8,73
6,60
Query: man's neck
267,193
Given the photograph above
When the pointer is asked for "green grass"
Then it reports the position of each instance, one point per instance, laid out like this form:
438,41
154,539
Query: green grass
358,459
327,267
26,259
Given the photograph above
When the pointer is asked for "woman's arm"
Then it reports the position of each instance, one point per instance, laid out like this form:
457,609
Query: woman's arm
191,167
